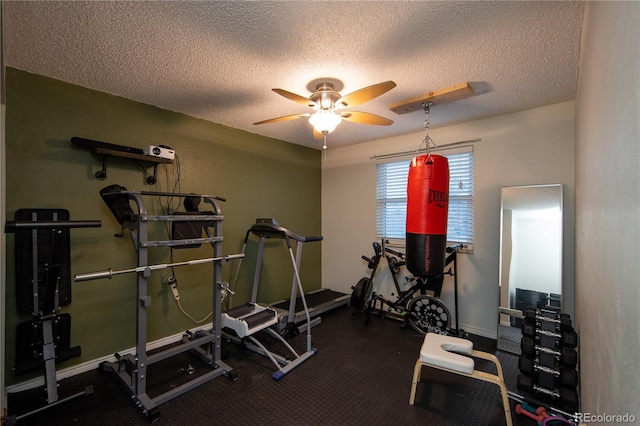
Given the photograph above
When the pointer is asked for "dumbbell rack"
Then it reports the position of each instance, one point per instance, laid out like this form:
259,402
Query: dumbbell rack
549,358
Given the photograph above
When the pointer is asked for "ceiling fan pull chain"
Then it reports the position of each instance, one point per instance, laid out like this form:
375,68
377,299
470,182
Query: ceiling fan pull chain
324,146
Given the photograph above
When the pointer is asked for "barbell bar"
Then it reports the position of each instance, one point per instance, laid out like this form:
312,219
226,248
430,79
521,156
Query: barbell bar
109,273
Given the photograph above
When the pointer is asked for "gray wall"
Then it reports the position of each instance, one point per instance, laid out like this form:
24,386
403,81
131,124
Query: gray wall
608,208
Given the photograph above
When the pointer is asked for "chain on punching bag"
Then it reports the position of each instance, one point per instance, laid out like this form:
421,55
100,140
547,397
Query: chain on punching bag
427,211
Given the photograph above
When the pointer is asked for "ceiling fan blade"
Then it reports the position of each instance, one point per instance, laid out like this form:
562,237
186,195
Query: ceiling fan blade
365,118
366,94
296,98
285,118
449,94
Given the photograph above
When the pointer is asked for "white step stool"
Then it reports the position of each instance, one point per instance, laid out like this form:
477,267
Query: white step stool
443,353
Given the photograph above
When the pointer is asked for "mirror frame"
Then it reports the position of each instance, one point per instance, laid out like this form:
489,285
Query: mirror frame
509,342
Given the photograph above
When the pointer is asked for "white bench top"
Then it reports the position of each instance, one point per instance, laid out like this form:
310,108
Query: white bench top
440,351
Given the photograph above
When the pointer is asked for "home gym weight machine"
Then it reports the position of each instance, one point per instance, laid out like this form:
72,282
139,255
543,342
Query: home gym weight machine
131,369
43,286
425,313
286,318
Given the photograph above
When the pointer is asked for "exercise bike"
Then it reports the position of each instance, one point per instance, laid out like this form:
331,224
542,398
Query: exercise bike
425,313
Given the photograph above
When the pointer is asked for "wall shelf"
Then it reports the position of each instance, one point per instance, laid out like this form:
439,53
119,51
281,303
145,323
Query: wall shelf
108,149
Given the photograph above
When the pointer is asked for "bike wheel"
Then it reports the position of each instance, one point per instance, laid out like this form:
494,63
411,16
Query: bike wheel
428,314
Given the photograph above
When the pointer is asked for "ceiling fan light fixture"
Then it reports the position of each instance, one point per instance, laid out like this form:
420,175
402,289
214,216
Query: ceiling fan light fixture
325,121
325,96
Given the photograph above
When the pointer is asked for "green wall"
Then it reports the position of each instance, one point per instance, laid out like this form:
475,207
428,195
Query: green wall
259,177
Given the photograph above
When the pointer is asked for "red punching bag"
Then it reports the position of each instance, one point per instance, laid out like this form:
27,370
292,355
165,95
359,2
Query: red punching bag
427,211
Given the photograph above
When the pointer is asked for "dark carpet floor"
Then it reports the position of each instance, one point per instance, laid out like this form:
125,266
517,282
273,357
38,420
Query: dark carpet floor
361,375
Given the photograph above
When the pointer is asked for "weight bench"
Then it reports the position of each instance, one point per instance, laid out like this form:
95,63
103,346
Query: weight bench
444,353
43,287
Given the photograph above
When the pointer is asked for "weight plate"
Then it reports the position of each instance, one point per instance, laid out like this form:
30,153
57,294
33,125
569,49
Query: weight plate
393,265
428,314
358,295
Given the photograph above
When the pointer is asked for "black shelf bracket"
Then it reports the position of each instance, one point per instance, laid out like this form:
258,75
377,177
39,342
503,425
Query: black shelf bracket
102,174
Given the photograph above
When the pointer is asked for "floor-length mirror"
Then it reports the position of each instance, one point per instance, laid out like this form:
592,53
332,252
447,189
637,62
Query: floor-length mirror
530,256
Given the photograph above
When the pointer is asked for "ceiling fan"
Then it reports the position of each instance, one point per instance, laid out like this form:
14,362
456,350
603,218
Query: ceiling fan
327,101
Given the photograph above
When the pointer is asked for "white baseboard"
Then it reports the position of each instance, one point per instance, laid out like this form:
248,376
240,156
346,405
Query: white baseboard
95,363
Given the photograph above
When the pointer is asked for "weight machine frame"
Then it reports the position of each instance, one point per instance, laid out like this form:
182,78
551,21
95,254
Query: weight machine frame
131,369
47,316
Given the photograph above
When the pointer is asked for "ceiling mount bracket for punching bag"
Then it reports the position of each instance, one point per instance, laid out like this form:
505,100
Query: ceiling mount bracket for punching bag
449,94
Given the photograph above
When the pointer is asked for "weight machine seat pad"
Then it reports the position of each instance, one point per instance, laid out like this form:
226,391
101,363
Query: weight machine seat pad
30,342
444,351
118,203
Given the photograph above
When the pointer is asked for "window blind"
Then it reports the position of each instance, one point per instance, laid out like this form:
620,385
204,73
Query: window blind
391,198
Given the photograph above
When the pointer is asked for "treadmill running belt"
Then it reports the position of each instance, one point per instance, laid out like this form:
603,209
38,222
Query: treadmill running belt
313,299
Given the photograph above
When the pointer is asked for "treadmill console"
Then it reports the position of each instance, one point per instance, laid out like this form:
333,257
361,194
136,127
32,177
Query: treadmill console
268,220
269,228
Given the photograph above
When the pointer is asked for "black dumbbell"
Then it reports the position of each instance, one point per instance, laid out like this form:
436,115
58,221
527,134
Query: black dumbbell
548,357
548,377
567,398
548,315
551,339
548,335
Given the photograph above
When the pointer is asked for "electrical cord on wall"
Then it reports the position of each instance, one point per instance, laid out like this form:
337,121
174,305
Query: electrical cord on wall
173,284
192,318
172,175
173,185
172,182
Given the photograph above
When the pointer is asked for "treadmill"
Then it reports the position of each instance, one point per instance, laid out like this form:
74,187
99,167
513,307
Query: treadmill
292,314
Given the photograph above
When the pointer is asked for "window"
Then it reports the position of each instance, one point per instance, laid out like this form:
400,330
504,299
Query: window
391,207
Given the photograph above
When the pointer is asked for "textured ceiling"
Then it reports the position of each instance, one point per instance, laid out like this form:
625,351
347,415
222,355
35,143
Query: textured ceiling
219,60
